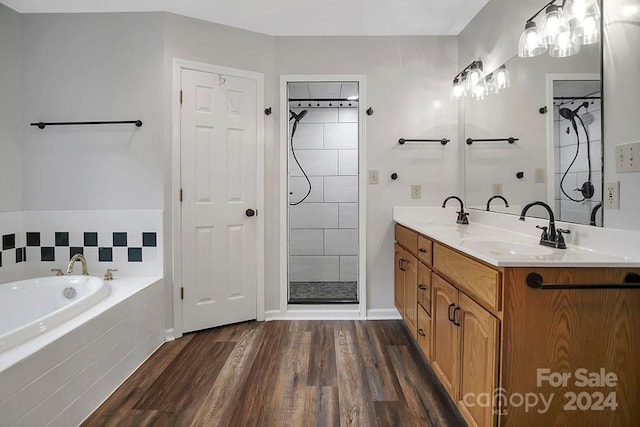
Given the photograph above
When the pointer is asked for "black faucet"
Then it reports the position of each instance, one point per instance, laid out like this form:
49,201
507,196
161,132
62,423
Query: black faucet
550,236
593,213
462,215
506,204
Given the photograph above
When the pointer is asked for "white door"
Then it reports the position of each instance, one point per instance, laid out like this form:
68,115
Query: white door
218,179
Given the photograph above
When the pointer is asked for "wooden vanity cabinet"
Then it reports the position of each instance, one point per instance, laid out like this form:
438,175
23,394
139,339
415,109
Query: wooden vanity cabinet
406,287
445,351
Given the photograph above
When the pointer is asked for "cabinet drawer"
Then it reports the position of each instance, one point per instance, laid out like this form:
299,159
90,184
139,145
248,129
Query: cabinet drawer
470,276
425,249
424,287
424,332
407,238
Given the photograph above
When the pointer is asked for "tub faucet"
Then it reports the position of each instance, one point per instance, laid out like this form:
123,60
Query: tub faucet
506,204
73,260
462,215
550,236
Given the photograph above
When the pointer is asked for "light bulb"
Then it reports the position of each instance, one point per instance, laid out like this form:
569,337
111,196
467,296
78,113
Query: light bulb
475,75
479,91
528,46
589,32
563,46
501,78
457,92
552,24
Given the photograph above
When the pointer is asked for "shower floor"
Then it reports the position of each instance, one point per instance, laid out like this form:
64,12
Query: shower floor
323,292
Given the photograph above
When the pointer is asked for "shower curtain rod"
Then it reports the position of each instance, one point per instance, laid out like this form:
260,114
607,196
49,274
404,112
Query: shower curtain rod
574,98
322,100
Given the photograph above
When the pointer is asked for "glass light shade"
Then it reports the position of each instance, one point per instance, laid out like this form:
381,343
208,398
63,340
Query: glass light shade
458,91
588,32
501,78
528,47
490,83
563,46
552,24
479,90
474,76
578,10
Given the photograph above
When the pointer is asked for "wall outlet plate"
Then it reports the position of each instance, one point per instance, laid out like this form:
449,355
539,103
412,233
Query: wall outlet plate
612,195
416,191
374,177
628,157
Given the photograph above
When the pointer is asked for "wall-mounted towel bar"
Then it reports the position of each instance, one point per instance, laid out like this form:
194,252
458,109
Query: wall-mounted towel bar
443,141
536,281
42,125
510,140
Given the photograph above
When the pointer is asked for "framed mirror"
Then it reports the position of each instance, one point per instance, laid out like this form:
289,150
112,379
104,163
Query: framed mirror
529,111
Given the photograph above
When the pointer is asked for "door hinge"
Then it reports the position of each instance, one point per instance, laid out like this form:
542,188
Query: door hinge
181,194
181,293
180,97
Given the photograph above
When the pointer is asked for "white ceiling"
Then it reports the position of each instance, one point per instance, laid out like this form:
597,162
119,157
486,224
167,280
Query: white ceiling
293,17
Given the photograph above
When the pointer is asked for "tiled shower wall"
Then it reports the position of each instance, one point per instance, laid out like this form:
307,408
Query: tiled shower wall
34,242
323,230
565,150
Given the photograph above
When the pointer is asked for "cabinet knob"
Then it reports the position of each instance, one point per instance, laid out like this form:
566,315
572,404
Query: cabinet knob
421,333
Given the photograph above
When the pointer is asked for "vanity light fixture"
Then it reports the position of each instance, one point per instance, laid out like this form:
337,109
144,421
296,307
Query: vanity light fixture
563,28
472,82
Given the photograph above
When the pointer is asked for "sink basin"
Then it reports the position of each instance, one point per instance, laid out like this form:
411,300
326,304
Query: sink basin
499,247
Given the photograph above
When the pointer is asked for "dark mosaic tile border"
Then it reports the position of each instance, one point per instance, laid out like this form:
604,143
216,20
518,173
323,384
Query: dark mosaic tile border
9,251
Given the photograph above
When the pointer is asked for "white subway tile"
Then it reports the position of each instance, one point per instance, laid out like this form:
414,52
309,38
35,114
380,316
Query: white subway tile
341,136
314,162
348,162
348,268
308,136
319,115
299,186
306,242
341,242
348,215
348,115
313,215
340,188
314,268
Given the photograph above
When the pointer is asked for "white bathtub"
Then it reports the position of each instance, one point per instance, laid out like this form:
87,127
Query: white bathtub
58,377
29,308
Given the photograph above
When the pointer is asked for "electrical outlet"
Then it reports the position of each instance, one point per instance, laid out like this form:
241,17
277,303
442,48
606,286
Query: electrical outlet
374,177
497,189
539,176
612,195
416,191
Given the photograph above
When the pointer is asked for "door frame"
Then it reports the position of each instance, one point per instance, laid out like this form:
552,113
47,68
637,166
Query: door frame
176,223
324,311
552,77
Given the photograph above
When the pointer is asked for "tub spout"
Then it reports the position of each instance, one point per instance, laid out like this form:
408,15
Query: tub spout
73,260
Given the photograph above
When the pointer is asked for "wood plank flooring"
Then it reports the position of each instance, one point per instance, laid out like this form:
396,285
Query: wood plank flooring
283,373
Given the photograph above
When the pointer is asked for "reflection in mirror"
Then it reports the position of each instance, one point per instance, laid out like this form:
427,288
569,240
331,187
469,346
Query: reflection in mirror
525,170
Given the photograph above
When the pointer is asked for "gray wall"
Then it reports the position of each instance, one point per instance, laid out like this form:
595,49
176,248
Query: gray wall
79,67
621,105
408,87
10,149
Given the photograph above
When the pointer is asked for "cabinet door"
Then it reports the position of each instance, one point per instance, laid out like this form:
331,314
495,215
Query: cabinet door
399,279
478,360
411,293
445,350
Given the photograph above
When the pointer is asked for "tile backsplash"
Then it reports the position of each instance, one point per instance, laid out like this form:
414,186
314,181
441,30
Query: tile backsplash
34,242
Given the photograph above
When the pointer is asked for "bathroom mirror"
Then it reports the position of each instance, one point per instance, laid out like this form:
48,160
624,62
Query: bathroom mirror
531,167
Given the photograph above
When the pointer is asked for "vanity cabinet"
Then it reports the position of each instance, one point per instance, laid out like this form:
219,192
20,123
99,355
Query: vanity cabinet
406,279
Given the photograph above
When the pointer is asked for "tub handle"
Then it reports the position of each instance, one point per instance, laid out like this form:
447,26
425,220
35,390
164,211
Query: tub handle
109,274
58,271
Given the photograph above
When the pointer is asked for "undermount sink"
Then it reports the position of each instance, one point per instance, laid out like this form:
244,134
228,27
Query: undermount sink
499,247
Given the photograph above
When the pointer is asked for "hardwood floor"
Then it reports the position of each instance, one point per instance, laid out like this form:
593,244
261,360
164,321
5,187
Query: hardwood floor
283,373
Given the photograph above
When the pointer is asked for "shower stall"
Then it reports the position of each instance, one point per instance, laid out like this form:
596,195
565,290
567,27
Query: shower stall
578,151
323,192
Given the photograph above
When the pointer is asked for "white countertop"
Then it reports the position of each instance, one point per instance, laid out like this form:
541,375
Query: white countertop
586,246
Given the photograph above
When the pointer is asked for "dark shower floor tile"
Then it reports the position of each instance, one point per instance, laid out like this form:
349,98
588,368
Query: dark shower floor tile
323,292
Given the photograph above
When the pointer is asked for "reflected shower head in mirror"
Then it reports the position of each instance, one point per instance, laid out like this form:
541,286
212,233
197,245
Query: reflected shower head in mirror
587,189
571,114
298,116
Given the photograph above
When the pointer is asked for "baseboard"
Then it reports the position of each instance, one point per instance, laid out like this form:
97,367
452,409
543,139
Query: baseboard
170,335
383,314
272,315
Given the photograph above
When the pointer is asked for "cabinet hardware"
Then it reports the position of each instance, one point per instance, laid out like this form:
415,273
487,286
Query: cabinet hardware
401,264
450,313
536,281
456,319
423,250
421,333
422,287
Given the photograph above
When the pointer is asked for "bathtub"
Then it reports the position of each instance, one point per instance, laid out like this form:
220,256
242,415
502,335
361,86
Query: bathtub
29,308
63,372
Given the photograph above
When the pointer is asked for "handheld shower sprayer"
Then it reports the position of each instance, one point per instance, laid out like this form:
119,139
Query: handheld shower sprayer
587,188
296,118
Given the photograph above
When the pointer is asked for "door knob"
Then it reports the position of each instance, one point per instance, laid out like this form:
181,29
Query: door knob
250,212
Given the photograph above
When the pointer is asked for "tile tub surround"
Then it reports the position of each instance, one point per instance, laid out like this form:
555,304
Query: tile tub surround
587,245
323,230
12,245
61,376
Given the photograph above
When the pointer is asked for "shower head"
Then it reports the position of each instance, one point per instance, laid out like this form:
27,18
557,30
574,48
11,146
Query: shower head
571,114
299,116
